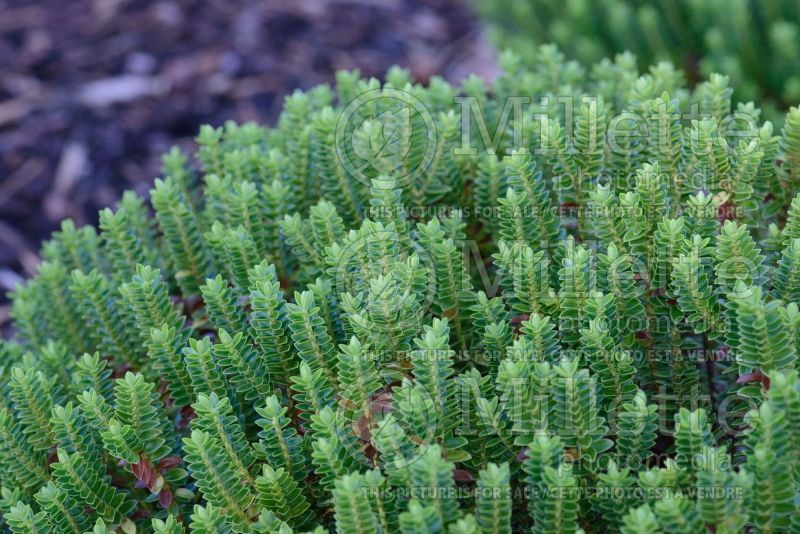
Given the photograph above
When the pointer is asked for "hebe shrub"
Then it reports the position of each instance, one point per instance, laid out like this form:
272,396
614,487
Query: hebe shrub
365,320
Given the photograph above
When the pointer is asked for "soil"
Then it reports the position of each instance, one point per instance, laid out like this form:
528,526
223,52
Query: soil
92,92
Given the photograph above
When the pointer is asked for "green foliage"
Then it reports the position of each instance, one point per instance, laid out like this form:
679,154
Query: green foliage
81,479
493,505
107,321
279,493
354,514
557,338
136,428
311,339
278,440
731,37
215,417
218,478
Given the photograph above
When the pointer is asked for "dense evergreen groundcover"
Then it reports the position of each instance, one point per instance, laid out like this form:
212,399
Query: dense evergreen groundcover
755,42
363,320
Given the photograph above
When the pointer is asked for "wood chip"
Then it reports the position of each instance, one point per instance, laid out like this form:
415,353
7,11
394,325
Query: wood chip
120,89
13,110
73,164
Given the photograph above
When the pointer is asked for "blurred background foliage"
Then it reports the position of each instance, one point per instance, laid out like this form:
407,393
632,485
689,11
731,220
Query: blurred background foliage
754,42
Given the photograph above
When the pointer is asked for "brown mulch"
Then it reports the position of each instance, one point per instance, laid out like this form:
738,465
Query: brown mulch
92,92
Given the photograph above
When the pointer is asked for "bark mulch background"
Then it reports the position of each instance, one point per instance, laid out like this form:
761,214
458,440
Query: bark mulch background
92,92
